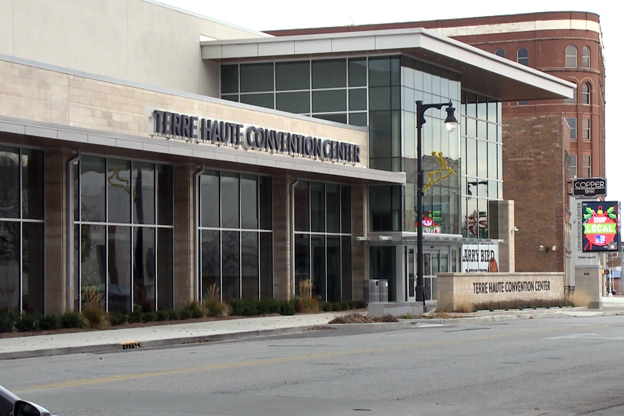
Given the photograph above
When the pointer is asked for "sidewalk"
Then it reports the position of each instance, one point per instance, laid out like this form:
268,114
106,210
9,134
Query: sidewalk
209,331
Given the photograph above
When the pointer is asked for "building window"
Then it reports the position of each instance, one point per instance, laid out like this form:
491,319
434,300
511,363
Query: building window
585,57
500,52
586,129
572,124
523,102
573,168
586,97
570,56
587,166
123,234
331,89
323,240
573,99
21,230
523,56
235,235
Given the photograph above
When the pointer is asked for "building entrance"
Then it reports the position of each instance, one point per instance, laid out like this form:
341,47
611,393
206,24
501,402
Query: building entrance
436,260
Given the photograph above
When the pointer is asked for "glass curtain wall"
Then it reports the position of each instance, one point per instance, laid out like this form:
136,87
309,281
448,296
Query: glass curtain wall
331,89
379,92
235,235
441,202
323,240
482,169
123,234
22,280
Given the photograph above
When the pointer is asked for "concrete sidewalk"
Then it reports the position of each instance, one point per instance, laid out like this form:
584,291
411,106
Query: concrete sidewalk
227,329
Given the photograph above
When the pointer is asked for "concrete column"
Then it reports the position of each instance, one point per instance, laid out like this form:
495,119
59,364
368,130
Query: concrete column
183,233
507,249
56,235
282,243
360,270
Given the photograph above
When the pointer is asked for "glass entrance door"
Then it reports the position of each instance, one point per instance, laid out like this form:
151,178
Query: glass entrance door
435,261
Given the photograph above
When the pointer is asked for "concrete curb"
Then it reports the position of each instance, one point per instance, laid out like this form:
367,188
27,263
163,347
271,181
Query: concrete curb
403,324
118,346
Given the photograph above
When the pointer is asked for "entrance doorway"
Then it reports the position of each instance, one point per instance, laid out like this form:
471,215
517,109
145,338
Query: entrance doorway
434,261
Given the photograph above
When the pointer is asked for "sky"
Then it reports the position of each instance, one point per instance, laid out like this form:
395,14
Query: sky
280,14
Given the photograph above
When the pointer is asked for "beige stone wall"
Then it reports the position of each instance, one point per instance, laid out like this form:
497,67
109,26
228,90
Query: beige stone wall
135,40
49,96
469,288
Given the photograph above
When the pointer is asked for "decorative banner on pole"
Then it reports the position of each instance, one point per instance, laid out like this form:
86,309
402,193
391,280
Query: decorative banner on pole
601,226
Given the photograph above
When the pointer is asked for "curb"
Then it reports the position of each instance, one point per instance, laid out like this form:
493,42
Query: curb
403,324
122,346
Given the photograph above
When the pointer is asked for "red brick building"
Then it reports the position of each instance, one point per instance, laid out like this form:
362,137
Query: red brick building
537,150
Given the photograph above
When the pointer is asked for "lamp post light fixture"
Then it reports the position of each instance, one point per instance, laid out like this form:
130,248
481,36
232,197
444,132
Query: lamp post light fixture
451,124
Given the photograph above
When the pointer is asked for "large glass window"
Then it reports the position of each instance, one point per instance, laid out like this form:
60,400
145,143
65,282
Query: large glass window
235,235
523,56
571,56
123,234
587,170
430,84
329,89
22,280
573,168
585,57
323,239
586,97
481,179
586,129
572,124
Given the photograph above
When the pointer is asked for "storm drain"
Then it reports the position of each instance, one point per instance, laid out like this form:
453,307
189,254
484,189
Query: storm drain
128,345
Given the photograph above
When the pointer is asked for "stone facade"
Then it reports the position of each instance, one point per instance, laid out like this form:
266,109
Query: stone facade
28,92
460,289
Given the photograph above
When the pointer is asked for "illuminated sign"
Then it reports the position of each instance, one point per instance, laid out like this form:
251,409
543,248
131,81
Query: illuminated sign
601,226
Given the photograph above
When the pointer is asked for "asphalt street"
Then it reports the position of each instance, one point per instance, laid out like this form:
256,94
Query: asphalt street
563,366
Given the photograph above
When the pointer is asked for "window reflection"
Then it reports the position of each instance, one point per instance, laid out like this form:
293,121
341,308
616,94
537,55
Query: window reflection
235,235
123,265
22,280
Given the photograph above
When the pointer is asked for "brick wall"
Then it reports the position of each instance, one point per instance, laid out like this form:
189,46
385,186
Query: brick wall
534,154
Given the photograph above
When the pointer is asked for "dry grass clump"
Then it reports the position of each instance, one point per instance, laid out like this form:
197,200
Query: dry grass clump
306,302
523,304
580,298
356,318
212,304
93,310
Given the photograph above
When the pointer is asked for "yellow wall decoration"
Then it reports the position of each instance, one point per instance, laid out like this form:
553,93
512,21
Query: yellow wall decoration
443,167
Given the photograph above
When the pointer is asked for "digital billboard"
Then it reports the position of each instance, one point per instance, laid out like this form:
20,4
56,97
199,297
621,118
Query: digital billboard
601,222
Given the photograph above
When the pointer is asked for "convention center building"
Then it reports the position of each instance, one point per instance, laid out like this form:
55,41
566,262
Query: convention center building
153,154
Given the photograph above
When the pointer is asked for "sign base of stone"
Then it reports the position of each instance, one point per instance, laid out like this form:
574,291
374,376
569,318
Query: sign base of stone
378,309
457,290
589,284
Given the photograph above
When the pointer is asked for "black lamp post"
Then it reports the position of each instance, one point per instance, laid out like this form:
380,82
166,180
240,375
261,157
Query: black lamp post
451,124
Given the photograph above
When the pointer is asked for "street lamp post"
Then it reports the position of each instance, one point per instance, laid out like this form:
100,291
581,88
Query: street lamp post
451,124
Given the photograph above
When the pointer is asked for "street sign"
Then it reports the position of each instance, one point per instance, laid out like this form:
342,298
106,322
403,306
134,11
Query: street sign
590,187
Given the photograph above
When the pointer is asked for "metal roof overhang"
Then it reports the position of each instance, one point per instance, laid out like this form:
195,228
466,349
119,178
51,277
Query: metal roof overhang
481,71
